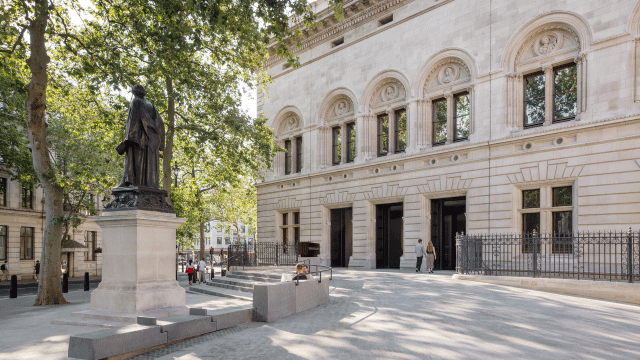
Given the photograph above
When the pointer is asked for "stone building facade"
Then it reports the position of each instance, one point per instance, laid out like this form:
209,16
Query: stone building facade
22,221
416,120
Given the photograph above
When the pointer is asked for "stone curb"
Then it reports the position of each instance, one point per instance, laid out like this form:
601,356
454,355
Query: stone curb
604,290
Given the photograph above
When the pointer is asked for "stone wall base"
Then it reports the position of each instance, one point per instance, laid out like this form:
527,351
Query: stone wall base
604,290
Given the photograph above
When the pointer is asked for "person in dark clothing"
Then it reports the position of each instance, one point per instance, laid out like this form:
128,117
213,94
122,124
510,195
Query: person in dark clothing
37,268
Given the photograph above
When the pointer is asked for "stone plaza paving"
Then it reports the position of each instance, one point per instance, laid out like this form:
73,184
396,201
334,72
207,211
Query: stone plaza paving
384,315
400,315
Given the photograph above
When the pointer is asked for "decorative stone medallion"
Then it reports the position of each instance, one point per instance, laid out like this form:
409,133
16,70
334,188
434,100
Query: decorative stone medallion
547,43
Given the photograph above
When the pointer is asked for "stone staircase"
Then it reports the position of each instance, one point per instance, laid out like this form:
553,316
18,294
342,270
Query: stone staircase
237,285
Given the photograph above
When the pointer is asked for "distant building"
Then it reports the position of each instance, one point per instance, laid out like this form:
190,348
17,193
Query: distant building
22,221
217,236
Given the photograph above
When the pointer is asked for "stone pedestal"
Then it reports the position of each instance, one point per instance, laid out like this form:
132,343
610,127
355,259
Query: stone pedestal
139,262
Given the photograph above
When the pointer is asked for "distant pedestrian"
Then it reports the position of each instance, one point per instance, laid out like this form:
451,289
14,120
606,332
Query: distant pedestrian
420,252
37,268
431,256
5,270
190,270
202,268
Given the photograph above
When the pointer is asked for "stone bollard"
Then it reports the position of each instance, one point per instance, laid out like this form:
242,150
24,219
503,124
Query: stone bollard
65,283
86,281
13,293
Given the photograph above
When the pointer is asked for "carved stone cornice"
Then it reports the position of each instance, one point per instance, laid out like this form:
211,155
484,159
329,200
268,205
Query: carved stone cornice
358,12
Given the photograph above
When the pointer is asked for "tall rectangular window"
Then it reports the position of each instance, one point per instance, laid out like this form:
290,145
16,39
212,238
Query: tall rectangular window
285,239
27,198
299,152
287,157
351,142
296,229
534,99
219,240
3,191
439,121
3,242
565,93
530,220
562,226
383,134
26,243
461,117
91,242
401,130
227,241
336,145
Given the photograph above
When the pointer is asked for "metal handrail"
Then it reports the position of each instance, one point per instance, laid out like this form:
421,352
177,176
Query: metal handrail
319,270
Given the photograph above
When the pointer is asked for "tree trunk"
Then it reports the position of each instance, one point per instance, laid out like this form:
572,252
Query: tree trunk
167,154
202,251
199,205
49,287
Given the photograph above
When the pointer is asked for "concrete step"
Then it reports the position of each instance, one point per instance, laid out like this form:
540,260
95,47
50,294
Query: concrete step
232,285
216,291
254,276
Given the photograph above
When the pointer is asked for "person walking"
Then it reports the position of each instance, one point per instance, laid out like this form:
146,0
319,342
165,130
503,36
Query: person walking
431,256
190,270
5,271
420,252
202,268
37,268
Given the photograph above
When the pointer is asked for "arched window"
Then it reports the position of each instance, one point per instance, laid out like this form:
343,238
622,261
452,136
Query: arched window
445,91
337,132
388,104
547,71
288,132
447,94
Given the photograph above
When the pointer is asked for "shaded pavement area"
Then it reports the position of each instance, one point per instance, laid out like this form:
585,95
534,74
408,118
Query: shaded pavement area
402,315
380,315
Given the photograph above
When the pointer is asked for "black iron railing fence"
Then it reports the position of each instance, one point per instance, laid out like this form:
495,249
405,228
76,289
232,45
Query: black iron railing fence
612,256
262,254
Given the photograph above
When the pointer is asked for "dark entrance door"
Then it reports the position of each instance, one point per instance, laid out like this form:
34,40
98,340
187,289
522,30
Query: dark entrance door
388,236
341,237
447,218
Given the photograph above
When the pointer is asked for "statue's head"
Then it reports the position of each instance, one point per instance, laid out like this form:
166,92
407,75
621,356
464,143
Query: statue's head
138,90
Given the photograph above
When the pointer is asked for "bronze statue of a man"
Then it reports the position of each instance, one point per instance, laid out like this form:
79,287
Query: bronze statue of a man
143,142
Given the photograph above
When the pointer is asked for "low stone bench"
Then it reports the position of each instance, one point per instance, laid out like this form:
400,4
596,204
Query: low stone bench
151,332
277,300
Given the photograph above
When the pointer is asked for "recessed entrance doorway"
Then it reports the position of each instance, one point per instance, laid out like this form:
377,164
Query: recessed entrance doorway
341,237
389,235
448,217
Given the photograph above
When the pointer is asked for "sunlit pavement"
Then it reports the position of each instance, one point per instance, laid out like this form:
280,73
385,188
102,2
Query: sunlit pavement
402,315
381,315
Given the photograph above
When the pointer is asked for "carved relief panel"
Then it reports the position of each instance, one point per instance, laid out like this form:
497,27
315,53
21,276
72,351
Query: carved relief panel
340,108
447,72
546,42
290,123
387,92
